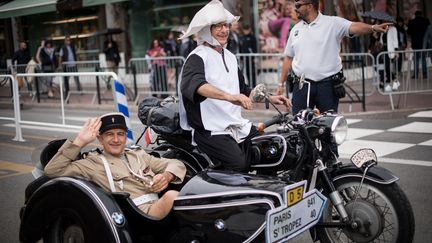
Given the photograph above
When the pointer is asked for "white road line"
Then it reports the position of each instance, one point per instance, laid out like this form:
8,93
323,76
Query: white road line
396,161
425,114
352,121
354,133
414,127
381,148
426,143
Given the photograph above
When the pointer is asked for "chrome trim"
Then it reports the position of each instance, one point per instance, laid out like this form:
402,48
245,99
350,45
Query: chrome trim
99,202
231,204
283,153
234,193
368,178
335,122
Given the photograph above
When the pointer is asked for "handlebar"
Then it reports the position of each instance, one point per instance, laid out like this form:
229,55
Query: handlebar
277,119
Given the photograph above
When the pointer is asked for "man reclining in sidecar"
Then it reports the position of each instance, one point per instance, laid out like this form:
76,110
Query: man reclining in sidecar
116,169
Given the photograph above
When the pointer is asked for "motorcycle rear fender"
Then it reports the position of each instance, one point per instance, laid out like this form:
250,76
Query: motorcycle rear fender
46,204
376,174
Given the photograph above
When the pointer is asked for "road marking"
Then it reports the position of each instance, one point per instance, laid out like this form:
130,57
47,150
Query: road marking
395,161
354,133
425,114
352,121
16,146
414,127
8,169
426,143
381,148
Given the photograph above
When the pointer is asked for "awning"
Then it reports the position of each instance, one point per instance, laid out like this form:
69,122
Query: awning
26,7
87,3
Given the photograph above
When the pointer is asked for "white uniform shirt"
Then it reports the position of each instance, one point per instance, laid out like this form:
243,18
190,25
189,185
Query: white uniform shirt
315,47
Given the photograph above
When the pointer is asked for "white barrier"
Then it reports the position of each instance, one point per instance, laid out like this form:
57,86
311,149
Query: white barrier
17,112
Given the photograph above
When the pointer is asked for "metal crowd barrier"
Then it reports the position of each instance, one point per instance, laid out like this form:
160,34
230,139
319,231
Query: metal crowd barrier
403,72
158,76
120,100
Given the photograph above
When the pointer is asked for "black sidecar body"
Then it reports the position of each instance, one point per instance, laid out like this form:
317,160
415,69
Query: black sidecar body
213,206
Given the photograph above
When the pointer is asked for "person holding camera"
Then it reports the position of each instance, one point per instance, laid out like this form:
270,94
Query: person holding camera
313,50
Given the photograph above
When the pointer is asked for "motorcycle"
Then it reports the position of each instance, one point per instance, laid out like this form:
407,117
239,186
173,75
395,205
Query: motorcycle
296,184
365,202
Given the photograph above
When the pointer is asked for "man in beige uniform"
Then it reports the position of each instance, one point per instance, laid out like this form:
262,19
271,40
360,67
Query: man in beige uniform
116,169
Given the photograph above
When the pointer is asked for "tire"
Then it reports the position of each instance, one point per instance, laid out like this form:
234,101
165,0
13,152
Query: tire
383,213
66,228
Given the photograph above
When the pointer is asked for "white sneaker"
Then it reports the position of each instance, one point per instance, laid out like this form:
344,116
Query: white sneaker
387,88
395,85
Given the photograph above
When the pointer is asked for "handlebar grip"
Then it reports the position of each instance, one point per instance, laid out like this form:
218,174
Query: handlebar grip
261,126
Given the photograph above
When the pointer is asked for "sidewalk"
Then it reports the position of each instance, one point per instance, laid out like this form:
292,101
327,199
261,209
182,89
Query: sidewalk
375,103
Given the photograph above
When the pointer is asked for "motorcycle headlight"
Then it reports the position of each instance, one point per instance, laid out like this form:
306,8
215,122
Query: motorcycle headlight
339,129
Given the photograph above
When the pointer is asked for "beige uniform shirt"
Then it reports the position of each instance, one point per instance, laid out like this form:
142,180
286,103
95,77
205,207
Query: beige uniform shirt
92,168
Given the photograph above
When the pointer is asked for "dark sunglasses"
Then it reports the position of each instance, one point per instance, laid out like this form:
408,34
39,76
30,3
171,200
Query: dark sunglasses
299,5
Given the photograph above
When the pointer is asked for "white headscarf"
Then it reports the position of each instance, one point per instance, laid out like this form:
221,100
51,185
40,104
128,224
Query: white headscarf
212,13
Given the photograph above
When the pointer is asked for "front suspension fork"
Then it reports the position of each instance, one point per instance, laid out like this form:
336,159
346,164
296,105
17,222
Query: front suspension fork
334,194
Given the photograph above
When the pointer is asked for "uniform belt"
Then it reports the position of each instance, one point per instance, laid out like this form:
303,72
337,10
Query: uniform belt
332,77
145,198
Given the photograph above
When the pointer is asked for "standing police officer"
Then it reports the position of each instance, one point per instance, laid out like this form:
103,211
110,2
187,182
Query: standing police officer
313,50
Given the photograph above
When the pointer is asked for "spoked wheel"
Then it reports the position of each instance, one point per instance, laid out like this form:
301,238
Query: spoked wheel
380,213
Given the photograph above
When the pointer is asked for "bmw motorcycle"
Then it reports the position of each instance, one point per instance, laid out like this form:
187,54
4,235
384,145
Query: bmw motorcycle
296,184
365,202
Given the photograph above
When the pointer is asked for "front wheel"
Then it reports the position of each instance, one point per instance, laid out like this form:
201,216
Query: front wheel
380,213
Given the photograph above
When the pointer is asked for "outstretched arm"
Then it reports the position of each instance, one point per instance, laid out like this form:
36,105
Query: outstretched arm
359,28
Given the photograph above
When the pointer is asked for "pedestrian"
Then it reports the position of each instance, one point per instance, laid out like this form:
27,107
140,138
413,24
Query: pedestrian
187,45
416,29
48,62
67,60
234,38
159,76
116,169
19,61
170,48
402,41
112,56
249,45
212,92
313,50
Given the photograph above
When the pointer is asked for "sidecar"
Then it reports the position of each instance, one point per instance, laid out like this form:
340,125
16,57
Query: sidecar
212,206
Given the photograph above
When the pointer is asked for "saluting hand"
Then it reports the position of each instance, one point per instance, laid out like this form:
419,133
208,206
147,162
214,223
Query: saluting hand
89,132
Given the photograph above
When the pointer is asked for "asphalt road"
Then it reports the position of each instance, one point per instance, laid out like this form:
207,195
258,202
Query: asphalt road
406,153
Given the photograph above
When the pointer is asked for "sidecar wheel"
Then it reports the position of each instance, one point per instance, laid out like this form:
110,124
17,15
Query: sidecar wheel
382,213
65,230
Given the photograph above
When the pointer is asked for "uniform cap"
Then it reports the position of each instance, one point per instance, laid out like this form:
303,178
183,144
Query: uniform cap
112,121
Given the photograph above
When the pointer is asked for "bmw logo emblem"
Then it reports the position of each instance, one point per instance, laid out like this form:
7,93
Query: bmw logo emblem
118,218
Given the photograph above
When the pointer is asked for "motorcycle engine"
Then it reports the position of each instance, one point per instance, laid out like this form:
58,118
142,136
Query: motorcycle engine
275,150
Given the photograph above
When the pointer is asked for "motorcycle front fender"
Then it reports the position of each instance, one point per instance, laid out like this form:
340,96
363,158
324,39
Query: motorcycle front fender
376,174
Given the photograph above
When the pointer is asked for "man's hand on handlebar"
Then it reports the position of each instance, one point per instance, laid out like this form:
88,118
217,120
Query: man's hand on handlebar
280,100
241,100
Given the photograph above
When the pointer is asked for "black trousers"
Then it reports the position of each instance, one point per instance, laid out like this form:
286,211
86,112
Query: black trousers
224,151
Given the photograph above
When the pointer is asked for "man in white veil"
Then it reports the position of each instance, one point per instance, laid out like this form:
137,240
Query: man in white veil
212,92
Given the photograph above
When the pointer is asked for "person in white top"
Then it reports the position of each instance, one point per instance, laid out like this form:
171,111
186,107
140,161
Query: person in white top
313,50
212,92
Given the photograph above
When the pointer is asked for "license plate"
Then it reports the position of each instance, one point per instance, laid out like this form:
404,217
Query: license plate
295,195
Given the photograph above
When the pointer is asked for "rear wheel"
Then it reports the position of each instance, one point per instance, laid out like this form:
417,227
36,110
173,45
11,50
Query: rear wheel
380,213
